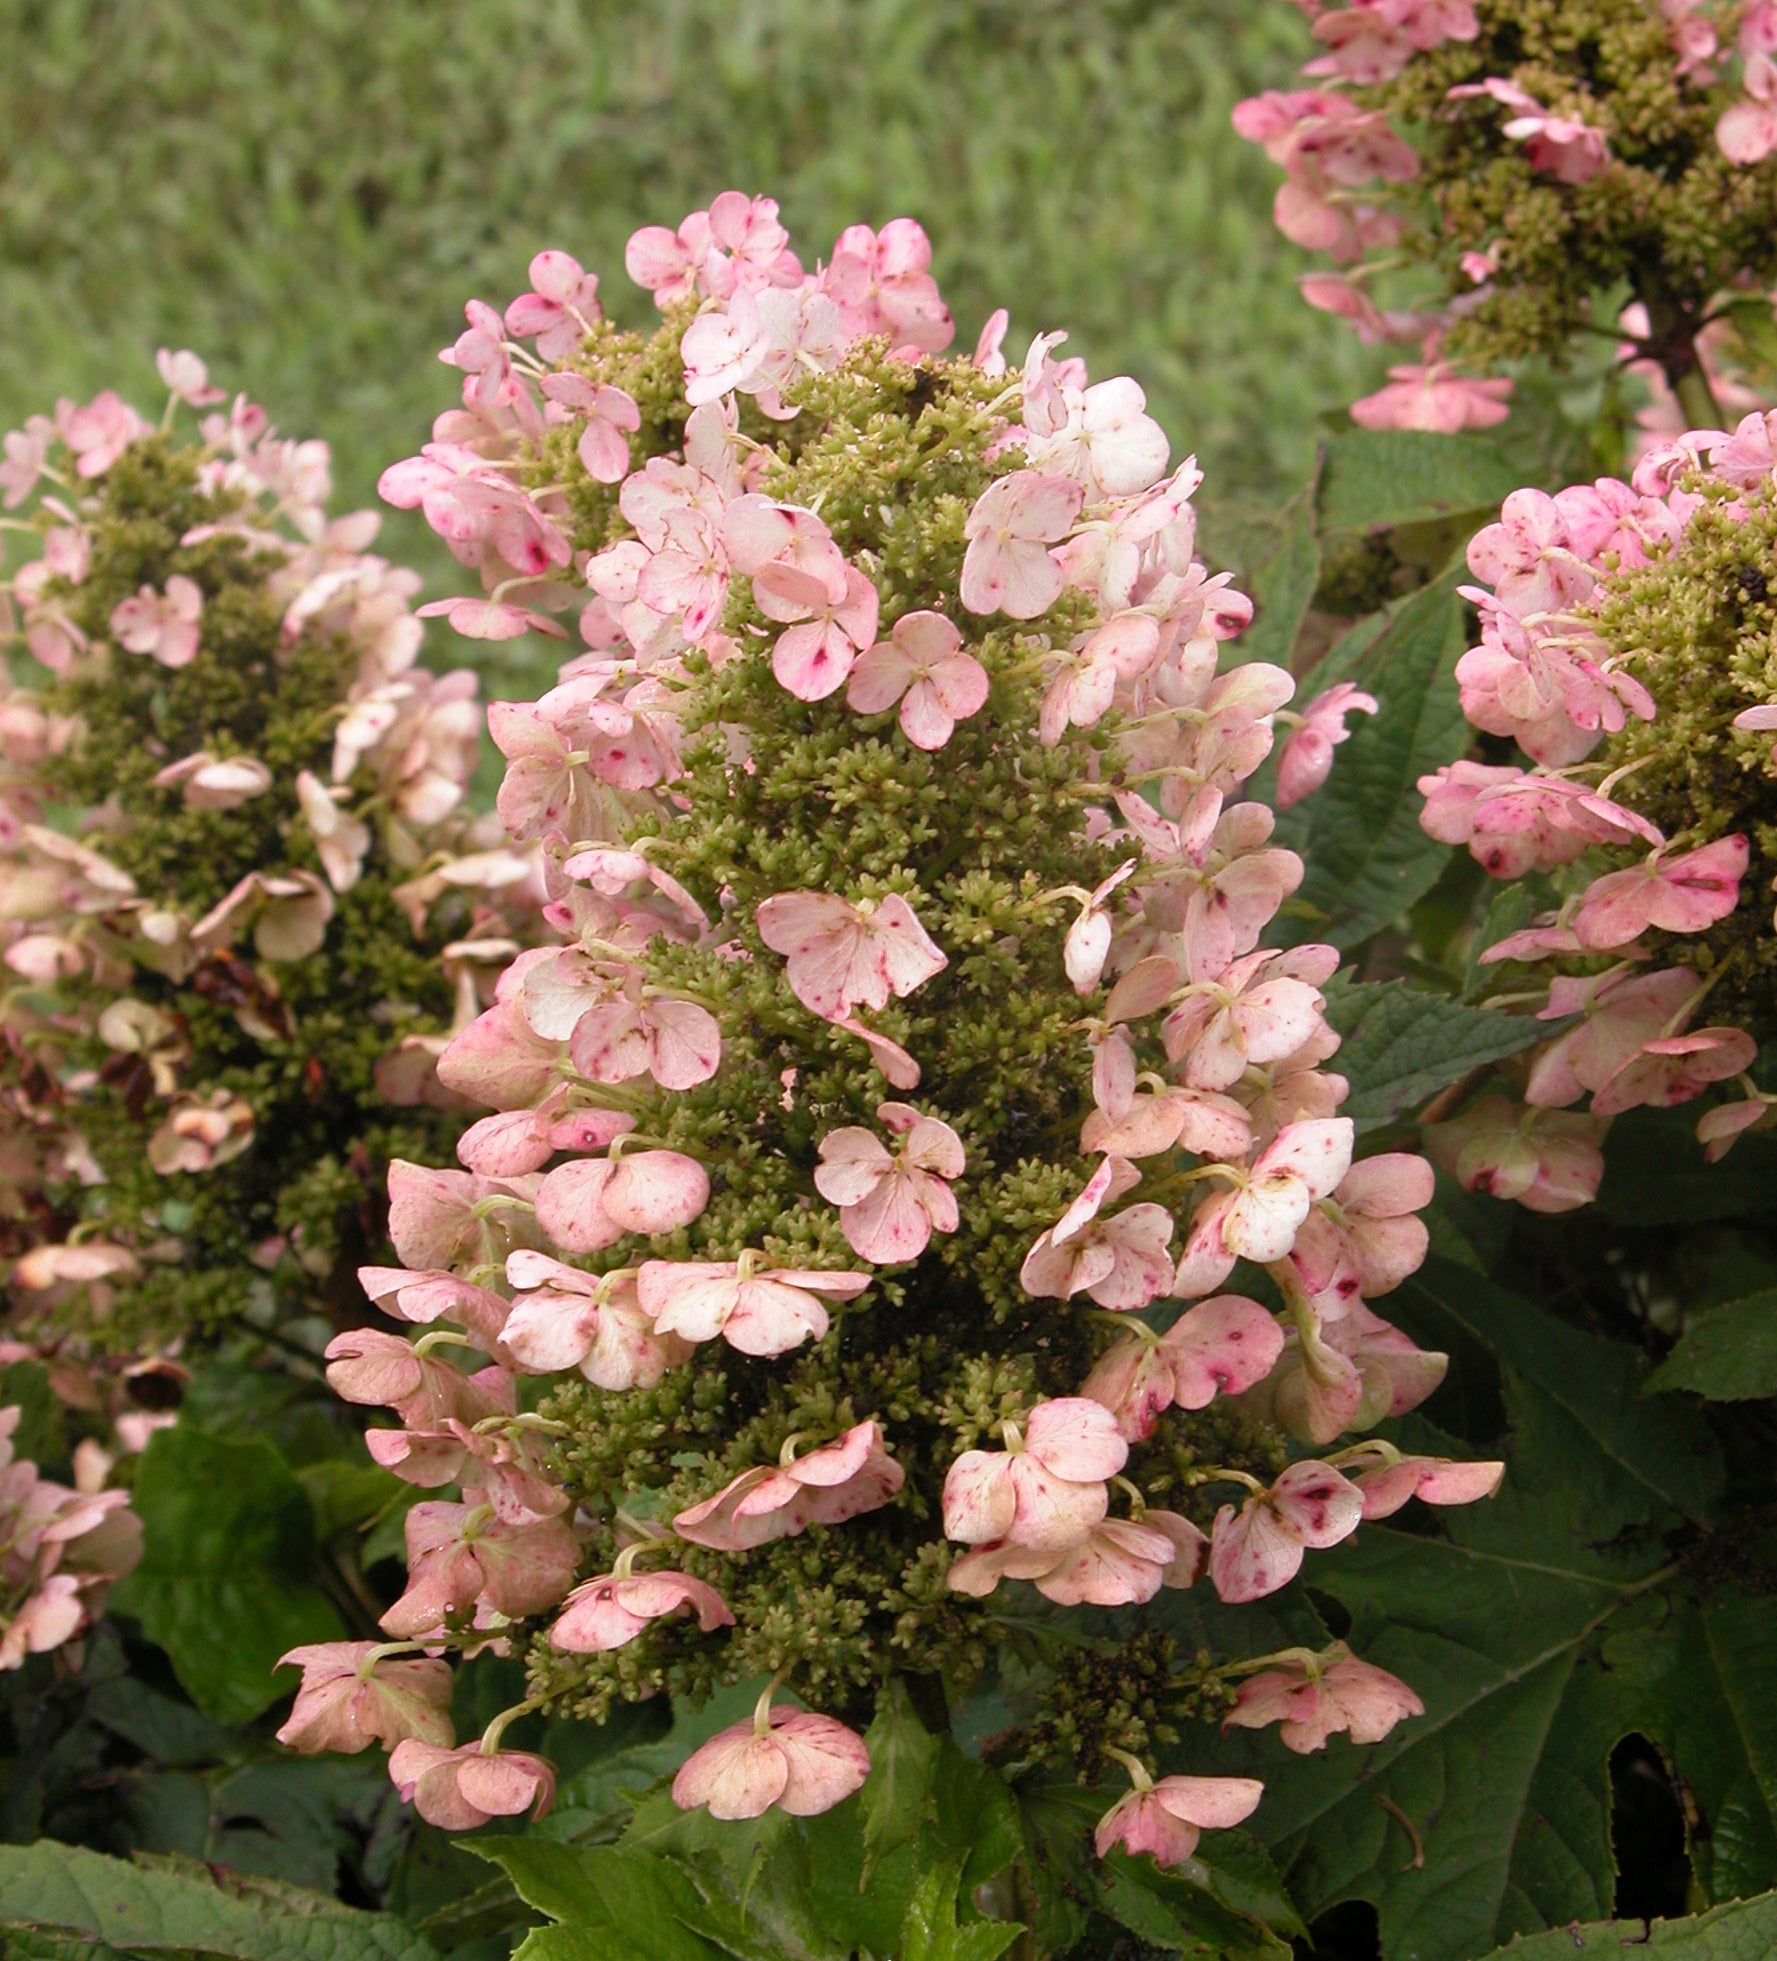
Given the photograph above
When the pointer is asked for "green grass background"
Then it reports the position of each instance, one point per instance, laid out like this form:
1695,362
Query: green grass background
306,191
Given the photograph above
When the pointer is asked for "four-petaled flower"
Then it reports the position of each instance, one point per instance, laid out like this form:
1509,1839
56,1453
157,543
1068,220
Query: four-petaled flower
890,1203
801,1762
1167,1819
842,956
1009,567
759,1309
162,625
923,667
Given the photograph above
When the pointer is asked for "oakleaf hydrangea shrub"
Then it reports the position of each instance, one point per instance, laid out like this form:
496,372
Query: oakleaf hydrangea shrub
232,854
884,1156
1544,160
1626,647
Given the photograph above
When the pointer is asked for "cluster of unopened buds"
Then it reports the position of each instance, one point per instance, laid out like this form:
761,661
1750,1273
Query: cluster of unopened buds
61,1550
1349,168
404,746
1198,1047
1632,1033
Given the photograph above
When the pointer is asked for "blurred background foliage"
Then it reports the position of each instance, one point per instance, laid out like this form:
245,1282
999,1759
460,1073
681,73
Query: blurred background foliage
306,192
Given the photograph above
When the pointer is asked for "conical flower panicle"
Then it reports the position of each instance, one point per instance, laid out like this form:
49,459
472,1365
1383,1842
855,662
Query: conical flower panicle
1625,646
889,1057
225,974
1529,161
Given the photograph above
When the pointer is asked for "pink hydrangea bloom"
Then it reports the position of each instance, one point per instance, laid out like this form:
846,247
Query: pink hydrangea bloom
611,1610
1218,1347
883,285
1046,1489
187,377
1515,823
460,1556
1434,1480
460,1790
792,1758
840,1480
843,956
1260,1009
1747,131
1120,1261
352,1694
890,1204
1548,1160
99,432
163,625
1677,894
1009,567
1310,1703
1434,396
564,1318
1259,1217
1306,760
1366,1238
758,1309
594,1202
1566,147
1167,1819
922,666
1115,1563
828,623
560,311
1258,1549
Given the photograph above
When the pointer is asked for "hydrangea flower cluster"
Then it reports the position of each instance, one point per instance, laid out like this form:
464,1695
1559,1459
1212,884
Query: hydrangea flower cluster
230,809
61,1551
856,1232
1626,646
1539,154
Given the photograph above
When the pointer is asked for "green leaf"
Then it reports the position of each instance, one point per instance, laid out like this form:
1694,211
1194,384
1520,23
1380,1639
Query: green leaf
1745,1930
1244,1876
975,1810
224,1586
148,1909
1367,859
929,1931
1727,1354
1377,478
898,1792
1175,1911
1489,1815
1708,1685
1616,1456
1282,586
164,1727
1402,1044
32,1945
633,1749
615,1905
